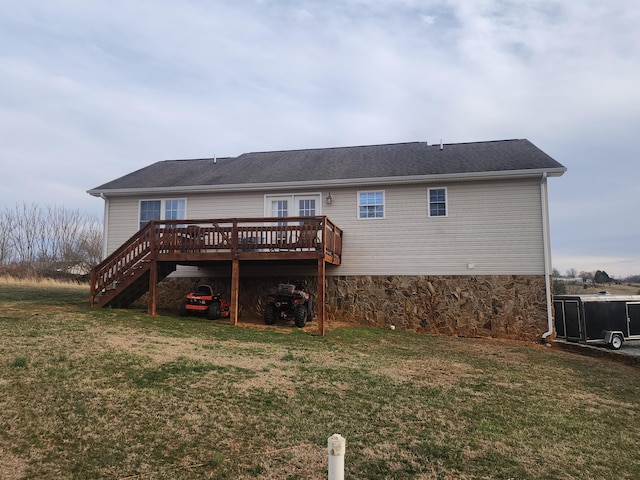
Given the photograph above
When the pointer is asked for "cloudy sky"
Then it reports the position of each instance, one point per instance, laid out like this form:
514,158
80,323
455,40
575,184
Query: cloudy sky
92,90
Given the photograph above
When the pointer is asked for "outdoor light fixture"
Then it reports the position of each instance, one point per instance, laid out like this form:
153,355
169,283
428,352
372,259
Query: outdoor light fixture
329,198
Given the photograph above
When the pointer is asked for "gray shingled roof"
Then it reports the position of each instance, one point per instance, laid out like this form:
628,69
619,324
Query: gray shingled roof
340,164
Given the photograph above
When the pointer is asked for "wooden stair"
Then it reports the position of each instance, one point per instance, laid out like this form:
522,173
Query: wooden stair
123,276
132,286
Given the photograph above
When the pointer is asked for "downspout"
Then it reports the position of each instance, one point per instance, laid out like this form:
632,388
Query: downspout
105,225
547,255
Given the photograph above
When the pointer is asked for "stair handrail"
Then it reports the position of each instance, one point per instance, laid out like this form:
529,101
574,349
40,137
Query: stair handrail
129,254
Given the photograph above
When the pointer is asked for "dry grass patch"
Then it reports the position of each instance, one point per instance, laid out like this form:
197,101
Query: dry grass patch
40,282
12,467
436,372
91,394
613,288
271,379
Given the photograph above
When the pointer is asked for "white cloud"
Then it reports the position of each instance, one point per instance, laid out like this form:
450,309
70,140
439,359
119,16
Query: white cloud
90,91
428,19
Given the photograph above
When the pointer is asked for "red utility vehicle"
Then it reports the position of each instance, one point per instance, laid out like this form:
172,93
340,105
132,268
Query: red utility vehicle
289,301
203,301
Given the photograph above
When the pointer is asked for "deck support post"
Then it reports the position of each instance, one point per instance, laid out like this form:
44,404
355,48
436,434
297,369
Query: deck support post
322,296
92,289
235,290
153,288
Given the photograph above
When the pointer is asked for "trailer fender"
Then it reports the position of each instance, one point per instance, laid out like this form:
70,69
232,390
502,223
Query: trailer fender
614,338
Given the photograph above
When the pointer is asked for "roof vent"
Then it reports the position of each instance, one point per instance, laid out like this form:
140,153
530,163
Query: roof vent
215,160
441,145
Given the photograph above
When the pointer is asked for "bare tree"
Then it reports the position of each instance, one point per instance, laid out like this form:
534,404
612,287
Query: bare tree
60,237
587,276
51,239
91,238
571,273
7,225
24,235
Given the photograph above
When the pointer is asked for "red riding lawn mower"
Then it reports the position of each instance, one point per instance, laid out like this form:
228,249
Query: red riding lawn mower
204,302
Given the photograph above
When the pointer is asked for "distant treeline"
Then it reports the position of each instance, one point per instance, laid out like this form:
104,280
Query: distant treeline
48,241
599,276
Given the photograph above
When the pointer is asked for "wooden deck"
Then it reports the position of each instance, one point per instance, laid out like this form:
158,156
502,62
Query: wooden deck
154,252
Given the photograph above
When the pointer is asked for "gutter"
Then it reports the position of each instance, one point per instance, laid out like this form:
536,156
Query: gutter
340,182
547,255
105,225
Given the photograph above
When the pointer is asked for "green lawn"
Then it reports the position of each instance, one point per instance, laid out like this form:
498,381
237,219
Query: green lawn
118,394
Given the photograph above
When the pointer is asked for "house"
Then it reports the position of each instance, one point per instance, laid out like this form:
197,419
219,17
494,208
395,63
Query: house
449,238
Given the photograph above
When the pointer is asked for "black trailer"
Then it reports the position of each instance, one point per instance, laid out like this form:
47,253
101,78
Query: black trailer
611,319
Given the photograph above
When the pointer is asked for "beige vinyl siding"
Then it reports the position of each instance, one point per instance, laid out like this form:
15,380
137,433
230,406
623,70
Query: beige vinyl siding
226,205
494,225
123,221
124,211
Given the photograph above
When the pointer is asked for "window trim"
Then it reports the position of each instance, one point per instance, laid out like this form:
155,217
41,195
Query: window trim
293,207
384,205
446,202
140,202
166,200
163,208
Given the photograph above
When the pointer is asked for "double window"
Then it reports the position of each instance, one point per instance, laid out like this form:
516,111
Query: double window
292,205
370,205
174,209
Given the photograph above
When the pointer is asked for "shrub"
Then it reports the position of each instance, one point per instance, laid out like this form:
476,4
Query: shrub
559,287
19,362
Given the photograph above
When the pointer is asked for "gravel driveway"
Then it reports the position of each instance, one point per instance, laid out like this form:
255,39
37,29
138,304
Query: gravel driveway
629,352
631,347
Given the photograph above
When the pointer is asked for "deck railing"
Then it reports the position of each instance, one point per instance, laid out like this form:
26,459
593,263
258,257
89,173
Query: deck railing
192,240
248,234
128,256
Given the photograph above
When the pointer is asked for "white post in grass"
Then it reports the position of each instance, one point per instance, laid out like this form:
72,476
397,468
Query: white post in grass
336,447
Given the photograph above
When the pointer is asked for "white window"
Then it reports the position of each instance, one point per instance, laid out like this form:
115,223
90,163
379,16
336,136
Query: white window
292,205
307,207
437,202
174,209
280,208
149,210
371,204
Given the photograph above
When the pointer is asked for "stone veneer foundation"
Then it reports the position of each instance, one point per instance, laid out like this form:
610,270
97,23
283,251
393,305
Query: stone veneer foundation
505,306
497,305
